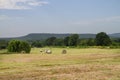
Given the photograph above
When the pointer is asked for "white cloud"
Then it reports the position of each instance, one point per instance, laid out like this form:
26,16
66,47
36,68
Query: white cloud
115,19
34,3
20,4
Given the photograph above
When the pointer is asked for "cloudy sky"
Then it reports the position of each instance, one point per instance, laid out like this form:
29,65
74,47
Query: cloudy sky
21,17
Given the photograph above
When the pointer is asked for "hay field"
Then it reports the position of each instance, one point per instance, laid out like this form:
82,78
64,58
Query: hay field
77,64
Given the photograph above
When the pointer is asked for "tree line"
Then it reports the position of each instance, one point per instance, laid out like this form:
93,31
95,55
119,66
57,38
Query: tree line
101,39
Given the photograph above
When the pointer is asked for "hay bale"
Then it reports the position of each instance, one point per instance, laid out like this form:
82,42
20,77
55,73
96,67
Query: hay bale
64,51
48,51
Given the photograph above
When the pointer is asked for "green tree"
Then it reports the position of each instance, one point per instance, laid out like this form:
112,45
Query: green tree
18,46
102,39
24,46
83,42
13,46
73,41
51,41
59,42
66,41
3,44
37,44
90,42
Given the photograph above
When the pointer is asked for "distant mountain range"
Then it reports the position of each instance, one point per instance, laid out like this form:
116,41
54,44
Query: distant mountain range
42,36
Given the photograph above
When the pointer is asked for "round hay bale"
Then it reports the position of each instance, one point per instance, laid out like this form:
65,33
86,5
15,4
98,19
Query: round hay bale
64,51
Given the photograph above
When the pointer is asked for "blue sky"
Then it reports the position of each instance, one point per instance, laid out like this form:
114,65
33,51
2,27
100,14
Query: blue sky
21,17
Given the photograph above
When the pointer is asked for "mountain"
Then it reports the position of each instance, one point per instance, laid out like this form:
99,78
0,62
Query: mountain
42,36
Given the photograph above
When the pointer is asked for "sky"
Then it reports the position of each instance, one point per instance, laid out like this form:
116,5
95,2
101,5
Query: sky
21,17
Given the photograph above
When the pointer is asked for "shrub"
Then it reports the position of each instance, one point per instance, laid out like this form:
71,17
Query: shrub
18,46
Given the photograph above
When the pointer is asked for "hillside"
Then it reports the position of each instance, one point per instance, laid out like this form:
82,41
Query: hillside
115,35
42,36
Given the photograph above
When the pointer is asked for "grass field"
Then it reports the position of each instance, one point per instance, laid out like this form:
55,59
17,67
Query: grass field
77,64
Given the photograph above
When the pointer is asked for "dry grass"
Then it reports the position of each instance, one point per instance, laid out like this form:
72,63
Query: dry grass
77,64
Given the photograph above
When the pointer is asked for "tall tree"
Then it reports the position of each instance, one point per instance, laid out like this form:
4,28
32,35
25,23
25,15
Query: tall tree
66,41
73,41
102,39
51,41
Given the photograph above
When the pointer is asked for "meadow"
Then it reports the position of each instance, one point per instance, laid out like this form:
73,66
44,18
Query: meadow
77,64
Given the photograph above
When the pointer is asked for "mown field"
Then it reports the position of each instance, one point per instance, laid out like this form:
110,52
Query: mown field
77,64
